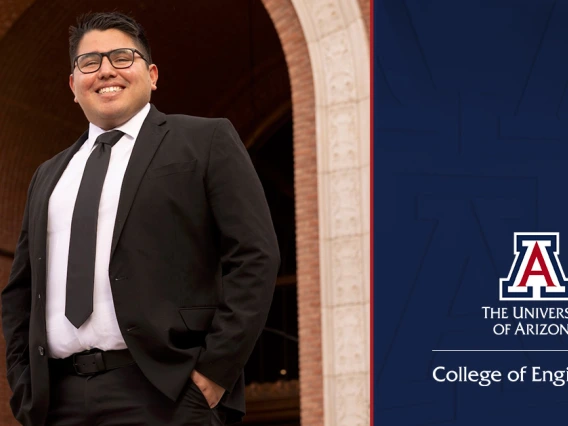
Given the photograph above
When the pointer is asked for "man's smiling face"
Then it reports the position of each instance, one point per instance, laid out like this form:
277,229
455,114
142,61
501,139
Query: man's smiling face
110,97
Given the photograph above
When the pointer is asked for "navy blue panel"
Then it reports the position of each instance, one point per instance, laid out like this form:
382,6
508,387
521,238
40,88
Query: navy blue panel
471,146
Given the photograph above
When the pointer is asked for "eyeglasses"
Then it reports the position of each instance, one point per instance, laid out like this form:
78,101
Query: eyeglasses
118,58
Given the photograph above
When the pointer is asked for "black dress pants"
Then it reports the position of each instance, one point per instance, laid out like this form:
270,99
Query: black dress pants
124,397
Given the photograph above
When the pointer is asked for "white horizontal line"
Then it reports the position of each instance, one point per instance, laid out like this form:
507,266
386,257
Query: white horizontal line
499,350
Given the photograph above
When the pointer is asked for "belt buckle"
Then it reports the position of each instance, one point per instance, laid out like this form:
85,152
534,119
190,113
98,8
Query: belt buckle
74,360
99,363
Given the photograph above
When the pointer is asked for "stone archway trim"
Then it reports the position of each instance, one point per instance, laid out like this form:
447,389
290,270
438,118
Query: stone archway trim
338,43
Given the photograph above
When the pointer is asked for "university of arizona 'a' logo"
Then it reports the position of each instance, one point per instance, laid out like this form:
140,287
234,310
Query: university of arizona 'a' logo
536,273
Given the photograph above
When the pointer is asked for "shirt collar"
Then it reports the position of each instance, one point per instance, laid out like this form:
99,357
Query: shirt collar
131,128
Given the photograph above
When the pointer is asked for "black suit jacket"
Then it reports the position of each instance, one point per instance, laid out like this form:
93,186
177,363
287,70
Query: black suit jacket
193,263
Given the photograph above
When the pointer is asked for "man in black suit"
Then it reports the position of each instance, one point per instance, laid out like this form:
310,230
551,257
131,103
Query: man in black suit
147,259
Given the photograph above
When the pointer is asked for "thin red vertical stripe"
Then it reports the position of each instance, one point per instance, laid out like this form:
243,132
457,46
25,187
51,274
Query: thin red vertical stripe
372,44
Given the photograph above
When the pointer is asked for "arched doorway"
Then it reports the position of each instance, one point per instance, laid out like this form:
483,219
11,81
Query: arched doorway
332,160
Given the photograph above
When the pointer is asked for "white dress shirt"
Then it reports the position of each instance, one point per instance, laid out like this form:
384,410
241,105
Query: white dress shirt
101,329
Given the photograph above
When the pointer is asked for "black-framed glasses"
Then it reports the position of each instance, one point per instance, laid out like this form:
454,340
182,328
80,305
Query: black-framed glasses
118,58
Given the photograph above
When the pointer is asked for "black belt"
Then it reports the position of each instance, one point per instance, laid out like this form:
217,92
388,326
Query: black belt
91,362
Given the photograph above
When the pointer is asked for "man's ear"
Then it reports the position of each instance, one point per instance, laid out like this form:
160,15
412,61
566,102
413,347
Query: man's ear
72,86
153,70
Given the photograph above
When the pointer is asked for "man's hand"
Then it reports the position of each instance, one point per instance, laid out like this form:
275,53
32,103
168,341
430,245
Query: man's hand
210,390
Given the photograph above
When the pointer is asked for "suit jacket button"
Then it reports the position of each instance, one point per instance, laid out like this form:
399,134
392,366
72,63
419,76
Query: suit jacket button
41,350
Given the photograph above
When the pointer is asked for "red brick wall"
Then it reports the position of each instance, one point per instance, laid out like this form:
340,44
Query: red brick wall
10,10
295,48
6,418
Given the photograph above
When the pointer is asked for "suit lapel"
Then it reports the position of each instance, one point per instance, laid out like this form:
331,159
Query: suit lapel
145,146
44,192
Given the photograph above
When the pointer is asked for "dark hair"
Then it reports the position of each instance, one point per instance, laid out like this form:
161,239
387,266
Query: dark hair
107,21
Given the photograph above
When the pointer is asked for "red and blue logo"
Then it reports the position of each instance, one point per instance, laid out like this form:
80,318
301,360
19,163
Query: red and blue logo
536,273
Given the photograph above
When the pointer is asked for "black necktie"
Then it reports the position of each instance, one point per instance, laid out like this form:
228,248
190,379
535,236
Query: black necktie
83,241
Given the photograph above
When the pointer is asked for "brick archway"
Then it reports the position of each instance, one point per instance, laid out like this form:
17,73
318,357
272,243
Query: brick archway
295,48
326,44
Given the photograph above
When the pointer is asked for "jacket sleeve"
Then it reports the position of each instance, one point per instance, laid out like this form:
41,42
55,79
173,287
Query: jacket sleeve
249,256
16,304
